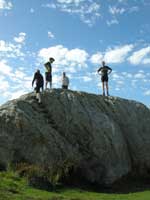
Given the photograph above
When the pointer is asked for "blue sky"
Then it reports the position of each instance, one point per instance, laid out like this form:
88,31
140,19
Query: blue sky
79,34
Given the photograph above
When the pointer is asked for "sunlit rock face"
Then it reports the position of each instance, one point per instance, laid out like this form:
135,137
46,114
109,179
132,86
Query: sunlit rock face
94,138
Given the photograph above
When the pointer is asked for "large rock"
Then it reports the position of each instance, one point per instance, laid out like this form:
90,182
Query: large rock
95,138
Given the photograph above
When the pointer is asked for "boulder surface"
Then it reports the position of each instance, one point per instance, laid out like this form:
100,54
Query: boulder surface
77,135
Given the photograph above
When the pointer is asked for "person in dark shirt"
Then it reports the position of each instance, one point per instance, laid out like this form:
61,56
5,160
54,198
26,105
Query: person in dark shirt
38,78
48,72
104,71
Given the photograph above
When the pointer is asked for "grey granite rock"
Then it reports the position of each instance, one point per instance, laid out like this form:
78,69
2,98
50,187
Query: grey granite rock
100,139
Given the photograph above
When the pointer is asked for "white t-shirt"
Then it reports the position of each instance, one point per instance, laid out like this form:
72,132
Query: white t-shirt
65,81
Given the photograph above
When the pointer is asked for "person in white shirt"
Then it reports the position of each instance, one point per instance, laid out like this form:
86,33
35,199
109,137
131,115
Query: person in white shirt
65,81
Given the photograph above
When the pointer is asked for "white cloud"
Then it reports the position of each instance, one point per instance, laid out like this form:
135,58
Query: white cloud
127,75
115,76
4,84
112,21
4,4
87,78
20,38
4,68
71,59
146,61
88,11
14,82
16,94
58,52
10,50
50,34
97,58
50,5
140,56
147,93
139,76
120,82
77,56
70,1
118,54
19,74
114,10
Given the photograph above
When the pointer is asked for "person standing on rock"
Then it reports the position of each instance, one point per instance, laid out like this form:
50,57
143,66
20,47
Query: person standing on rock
65,81
48,72
38,78
104,71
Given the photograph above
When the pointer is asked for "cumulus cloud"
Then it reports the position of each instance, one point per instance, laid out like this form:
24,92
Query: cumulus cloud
20,38
140,56
118,54
5,5
96,58
73,59
77,55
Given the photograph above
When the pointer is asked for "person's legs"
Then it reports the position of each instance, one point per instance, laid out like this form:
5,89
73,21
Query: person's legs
46,84
50,83
38,95
50,79
103,87
107,89
46,80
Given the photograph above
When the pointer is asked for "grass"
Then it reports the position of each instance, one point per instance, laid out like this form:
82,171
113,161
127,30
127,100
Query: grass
12,187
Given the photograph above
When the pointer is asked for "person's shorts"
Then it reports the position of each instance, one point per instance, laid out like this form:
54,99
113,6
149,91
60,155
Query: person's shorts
104,78
64,86
48,76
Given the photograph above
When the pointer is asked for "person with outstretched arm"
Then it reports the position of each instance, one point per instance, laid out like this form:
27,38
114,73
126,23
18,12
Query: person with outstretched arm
38,78
104,71
48,72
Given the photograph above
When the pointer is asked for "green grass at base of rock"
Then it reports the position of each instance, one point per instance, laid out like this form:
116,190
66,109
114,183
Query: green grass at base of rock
12,187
